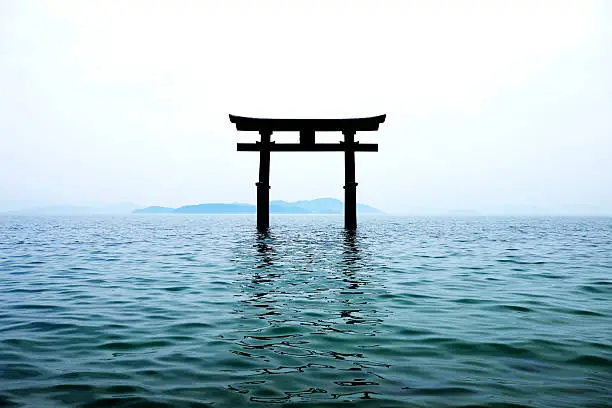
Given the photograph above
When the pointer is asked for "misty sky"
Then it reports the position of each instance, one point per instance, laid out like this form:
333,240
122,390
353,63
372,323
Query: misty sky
492,106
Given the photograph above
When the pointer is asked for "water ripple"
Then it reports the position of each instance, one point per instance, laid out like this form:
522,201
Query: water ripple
202,311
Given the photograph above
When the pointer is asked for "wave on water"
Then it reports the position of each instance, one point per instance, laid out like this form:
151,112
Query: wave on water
203,311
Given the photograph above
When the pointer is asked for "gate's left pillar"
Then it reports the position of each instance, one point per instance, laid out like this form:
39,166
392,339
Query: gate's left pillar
263,185
350,186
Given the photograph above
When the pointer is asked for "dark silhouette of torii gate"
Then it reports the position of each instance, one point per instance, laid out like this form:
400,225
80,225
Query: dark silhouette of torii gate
307,129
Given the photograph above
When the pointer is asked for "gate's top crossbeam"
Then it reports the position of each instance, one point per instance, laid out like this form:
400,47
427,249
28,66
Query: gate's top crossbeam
304,125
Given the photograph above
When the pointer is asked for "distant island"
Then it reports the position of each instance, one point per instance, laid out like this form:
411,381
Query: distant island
316,206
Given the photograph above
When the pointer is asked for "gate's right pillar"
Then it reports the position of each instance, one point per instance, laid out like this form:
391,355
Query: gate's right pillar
350,186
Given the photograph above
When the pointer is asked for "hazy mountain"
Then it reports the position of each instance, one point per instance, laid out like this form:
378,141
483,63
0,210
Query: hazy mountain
316,206
155,209
325,206
216,208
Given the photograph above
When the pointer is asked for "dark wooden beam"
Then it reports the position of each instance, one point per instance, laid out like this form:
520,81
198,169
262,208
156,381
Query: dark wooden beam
307,125
350,186
301,147
263,185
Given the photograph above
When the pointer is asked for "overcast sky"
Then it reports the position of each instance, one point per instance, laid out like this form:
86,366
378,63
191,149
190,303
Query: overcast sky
492,106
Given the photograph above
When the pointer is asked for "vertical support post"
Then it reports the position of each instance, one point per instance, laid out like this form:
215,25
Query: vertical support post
263,185
350,186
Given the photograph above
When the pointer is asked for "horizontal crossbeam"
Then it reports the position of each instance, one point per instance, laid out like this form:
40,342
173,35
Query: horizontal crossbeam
308,125
300,147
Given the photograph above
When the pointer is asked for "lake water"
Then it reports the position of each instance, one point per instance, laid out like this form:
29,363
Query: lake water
201,311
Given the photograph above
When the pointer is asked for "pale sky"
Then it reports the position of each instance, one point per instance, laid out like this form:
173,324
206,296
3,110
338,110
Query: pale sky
492,106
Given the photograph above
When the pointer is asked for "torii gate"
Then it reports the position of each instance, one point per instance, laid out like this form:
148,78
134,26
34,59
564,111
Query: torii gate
307,129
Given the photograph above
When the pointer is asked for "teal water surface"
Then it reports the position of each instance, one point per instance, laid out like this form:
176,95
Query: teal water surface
202,311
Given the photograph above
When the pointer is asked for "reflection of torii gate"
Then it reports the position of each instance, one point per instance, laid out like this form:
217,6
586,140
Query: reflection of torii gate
307,129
